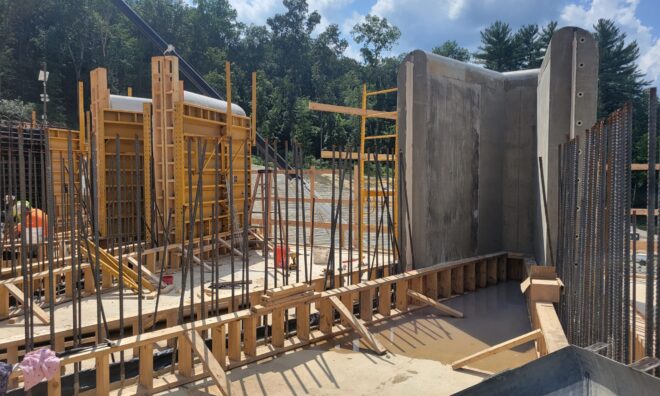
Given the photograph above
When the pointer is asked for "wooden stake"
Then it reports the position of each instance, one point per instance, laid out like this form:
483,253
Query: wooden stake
514,342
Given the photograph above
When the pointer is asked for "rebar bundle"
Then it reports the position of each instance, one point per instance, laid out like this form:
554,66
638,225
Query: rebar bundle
593,250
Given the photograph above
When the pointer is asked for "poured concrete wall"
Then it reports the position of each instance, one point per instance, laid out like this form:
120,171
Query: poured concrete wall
469,138
567,97
465,135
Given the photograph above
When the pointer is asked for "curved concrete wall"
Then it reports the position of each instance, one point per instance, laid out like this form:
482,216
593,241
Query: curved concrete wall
469,137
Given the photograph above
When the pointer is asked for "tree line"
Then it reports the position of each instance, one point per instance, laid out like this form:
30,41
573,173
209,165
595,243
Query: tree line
294,61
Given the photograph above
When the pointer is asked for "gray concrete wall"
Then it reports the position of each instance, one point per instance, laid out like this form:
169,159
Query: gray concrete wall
463,139
567,95
469,137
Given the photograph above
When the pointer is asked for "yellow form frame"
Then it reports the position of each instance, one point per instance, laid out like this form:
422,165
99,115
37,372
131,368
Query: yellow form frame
364,190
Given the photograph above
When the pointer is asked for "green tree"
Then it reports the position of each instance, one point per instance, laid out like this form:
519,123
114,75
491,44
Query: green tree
619,77
527,47
376,36
497,51
544,38
451,49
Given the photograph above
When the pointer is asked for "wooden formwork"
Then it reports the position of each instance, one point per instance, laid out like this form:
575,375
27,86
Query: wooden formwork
60,178
181,130
108,125
234,339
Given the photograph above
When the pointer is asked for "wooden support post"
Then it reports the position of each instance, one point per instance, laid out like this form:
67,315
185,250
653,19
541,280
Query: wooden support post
106,279
55,384
514,342
135,331
219,344
46,291
302,321
385,299
68,284
469,277
102,375
89,280
402,295
327,315
358,326
431,285
492,271
501,268
482,277
457,280
250,336
147,366
185,357
234,351
445,283
366,304
4,302
59,343
277,327
211,365
347,300
12,358
170,321
433,303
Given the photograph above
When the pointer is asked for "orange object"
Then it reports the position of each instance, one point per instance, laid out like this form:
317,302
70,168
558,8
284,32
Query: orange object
280,256
35,218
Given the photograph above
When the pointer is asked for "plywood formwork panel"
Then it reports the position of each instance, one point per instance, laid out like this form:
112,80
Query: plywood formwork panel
58,143
108,125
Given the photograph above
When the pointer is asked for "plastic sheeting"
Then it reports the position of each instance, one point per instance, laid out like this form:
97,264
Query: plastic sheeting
135,104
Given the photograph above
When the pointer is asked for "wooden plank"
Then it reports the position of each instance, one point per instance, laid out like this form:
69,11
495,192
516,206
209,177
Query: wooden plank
469,277
219,344
102,375
250,335
147,366
18,295
357,325
277,327
384,300
326,315
431,285
445,283
492,271
208,361
302,321
401,298
366,305
514,342
501,269
234,329
347,300
327,154
355,111
482,278
288,290
457,285
185,356
55,384
433,303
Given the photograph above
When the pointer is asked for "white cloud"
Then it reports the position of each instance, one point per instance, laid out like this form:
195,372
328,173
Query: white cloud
256,11
624,13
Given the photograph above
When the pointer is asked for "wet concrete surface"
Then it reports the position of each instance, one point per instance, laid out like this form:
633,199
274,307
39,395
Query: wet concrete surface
492,315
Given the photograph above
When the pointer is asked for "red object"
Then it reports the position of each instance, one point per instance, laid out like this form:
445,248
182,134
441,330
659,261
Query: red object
280,256
168,279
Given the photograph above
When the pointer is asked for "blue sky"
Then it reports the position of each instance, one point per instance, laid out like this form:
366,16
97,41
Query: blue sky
426,23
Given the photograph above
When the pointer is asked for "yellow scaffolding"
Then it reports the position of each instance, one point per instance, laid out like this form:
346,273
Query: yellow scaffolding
364,189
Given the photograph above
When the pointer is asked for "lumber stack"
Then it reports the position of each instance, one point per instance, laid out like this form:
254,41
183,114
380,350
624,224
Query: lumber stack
285,295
